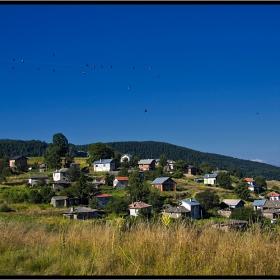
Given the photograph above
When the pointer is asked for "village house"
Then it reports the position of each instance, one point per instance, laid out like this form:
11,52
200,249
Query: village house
273,196
175,211
81,213
170,166
210,179
18,162
147,164
128,157
120,182
35,178
102,199
135,207
271,209
104,165
58,201
61,179
251,184
164,184
258,204
228,205
76,165
99,182
192,170
193,206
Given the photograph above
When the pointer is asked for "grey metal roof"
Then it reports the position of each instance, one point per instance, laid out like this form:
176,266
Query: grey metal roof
80,210
191,201
160,180
145,161
231,201
259,202
210,176
60,197
17,157
102,161
178,209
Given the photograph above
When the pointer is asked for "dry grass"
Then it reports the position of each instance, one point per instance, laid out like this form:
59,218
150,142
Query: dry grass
90,248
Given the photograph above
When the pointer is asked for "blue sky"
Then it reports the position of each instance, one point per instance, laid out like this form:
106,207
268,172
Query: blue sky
213,68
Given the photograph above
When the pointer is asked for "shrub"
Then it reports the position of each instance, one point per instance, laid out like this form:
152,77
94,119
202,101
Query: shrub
5,208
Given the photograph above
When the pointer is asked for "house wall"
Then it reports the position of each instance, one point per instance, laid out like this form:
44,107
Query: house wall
85,215
104,167
210,181
61,176
16,162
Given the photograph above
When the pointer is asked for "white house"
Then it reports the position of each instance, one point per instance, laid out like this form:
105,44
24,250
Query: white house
273,196
193,206
104,165
135,207
33,179
210,179
127,156
61,175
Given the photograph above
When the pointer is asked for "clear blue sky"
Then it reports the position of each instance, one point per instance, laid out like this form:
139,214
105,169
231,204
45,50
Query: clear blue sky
214,67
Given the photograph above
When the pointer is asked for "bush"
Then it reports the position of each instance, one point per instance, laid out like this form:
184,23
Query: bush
244,213
5,208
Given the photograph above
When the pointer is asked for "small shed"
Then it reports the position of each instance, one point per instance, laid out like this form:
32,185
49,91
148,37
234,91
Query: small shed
81,213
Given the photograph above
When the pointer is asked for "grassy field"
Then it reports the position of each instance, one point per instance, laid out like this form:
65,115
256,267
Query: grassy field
47,245
36,240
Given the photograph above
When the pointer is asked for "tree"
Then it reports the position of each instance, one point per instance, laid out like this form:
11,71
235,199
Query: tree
109,179
242,190
261,182
180,165
80,188
163,161
34,196
136,189
74,173
118,204
52,158
99,151
69,158
223,180
61,142
244,213
207,199
205,168
155,199
47,193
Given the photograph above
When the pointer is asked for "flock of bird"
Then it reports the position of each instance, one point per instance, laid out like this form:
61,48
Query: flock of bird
84,72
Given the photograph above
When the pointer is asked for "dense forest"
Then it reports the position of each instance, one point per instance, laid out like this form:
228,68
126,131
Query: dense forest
151,149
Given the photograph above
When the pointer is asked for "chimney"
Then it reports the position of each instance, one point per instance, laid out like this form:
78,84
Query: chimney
100,160
72,209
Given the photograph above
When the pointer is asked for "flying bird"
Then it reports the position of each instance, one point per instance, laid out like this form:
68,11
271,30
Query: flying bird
128,87
53,70
101,66
150,67
84,72
133,67
111,66
12,67
22,60
13,59
86,64
93,66
145,111
157,76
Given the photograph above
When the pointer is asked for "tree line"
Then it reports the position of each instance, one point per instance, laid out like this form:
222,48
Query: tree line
151,149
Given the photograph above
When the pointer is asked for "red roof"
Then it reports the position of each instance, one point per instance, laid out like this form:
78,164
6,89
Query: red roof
273,194
103,195
249,180
122,178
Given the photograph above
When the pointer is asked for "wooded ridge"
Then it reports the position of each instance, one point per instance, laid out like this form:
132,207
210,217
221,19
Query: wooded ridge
152,149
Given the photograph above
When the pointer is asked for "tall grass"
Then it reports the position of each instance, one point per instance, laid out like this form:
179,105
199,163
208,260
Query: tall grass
50,246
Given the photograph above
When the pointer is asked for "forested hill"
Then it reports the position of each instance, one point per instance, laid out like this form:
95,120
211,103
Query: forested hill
151,149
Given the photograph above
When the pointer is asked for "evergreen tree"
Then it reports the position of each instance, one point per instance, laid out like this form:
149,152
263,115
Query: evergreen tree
99,151
223,180
61,142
